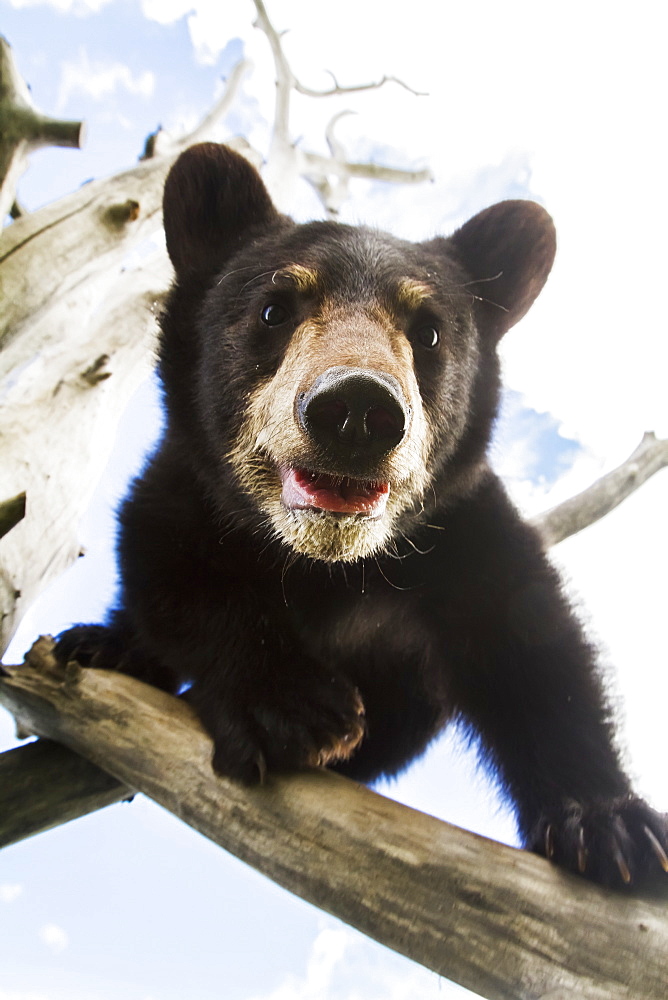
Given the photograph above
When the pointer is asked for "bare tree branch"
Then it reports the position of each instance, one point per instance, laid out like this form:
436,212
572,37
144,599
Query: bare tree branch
355,88
605,494
369,171
285,79
499,921
221,107
336,147
23,128
329,176
289,81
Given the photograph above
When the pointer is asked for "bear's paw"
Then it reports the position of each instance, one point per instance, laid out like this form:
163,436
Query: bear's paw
619,842
317,724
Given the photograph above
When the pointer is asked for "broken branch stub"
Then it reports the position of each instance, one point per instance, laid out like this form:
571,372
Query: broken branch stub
23,128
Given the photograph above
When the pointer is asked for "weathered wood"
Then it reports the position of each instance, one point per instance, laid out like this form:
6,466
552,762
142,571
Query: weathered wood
44,784
605,494
88,231
497,920
70,295
58,422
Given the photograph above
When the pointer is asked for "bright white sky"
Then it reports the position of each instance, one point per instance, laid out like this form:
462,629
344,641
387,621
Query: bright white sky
561,102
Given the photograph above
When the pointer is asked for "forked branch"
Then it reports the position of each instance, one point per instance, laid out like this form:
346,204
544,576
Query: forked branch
329,176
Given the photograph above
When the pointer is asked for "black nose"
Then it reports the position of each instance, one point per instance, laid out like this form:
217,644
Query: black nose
353,410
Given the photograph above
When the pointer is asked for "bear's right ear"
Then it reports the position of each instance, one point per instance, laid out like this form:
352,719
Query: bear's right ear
508,250
213,197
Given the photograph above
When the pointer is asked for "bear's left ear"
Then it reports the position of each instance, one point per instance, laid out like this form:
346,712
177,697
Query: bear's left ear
214,201
508,250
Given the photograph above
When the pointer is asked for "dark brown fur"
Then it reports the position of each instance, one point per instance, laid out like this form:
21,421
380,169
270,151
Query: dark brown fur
315,635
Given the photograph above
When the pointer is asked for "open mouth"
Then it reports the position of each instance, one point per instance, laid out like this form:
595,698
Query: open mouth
304,490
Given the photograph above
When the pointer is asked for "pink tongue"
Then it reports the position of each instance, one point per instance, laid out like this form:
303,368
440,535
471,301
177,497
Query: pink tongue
303,490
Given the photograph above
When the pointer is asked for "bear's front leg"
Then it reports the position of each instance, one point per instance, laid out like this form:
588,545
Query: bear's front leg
527,681
265,705
272,710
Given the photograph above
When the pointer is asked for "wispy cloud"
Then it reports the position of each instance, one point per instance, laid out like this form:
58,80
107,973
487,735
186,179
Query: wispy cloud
344,964
98,79
166,11
65,7
211,24
54,937
8,893
327,951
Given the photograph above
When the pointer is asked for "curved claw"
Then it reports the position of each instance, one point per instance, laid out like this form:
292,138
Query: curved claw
582,852
261,765
621,864
549,841
657,848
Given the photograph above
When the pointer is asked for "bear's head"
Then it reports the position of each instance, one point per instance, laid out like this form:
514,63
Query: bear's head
330,383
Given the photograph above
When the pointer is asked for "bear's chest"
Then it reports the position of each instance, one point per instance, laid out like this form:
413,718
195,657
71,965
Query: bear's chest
371,632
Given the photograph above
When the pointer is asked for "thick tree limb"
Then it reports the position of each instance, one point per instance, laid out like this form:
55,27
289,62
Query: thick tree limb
497,920
58,418
23,128
605,494
44,784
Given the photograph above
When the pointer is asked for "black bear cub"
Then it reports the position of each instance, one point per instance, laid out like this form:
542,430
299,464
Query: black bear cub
319,546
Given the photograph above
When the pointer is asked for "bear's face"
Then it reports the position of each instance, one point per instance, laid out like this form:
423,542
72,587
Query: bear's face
357,358
365,364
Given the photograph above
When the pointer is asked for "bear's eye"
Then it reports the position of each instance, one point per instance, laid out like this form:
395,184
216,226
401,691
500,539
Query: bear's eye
428,336
274,314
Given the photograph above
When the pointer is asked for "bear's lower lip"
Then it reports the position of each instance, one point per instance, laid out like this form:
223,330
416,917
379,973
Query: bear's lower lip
304,490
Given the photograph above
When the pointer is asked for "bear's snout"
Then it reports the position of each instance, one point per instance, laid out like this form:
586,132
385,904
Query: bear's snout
354,413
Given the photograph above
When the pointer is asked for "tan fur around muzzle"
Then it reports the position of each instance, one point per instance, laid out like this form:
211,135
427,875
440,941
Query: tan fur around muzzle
272,438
